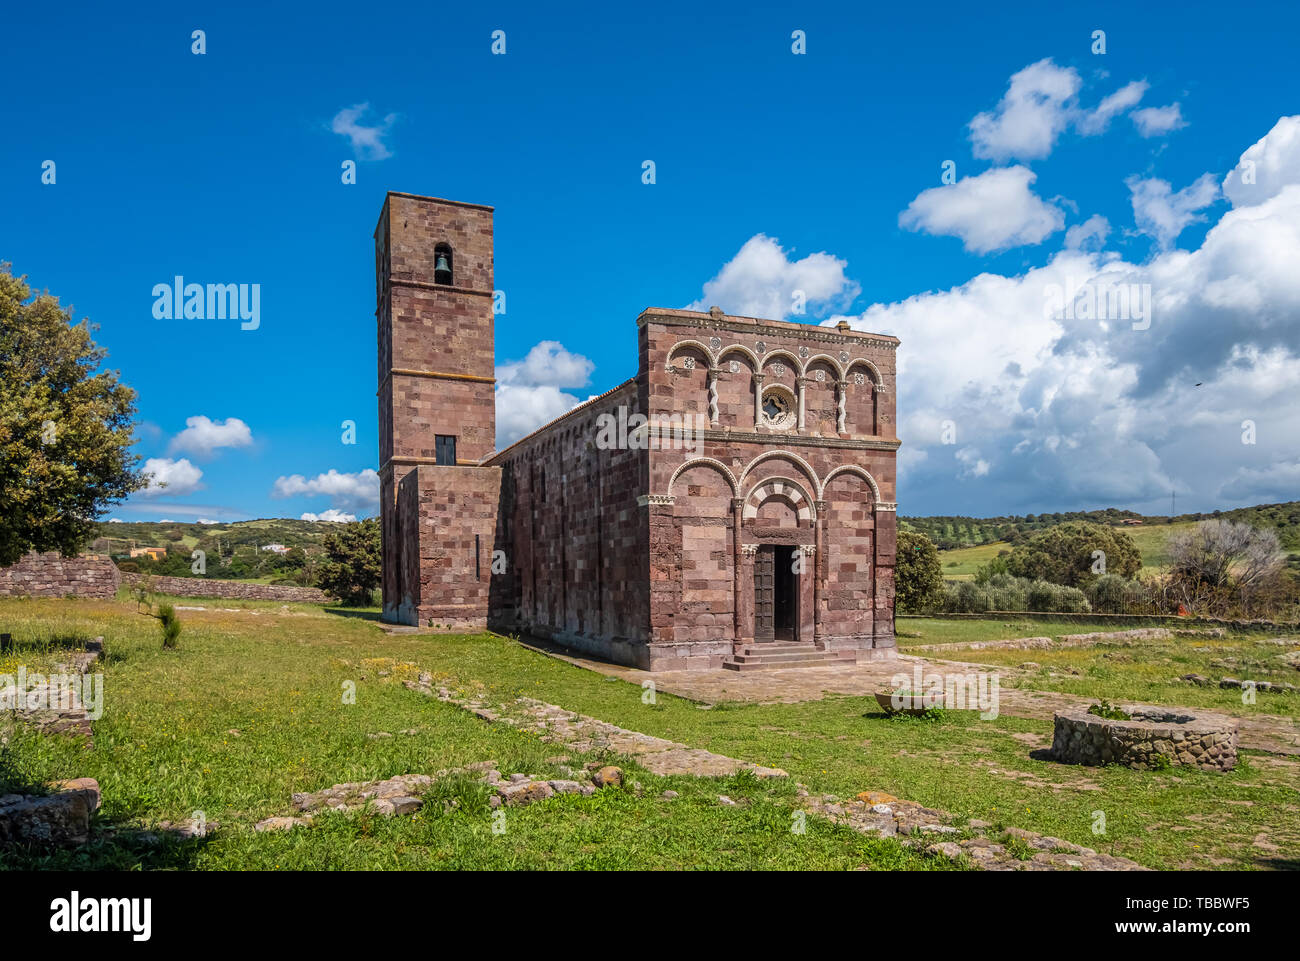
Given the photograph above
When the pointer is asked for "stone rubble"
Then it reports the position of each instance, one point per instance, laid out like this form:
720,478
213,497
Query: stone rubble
62,711
881,814
59,818
403,795
578,732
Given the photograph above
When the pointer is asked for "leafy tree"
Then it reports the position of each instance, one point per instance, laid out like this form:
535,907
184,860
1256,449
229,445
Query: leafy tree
353,564
918,575
65,427
1064,554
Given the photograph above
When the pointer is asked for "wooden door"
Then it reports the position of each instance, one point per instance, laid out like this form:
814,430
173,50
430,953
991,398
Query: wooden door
764,594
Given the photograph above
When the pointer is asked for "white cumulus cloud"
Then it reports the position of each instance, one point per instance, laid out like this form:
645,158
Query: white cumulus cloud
549,364
202,435
521,409
1158,121
1057,411
1163,212
175,477
355,491
1267,166
992,211
1040,104
762,281
1092,233
336,516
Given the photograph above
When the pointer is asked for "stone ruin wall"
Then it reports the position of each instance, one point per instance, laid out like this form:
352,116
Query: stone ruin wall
52,575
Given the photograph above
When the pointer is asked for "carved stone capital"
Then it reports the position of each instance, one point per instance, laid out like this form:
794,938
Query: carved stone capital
749,550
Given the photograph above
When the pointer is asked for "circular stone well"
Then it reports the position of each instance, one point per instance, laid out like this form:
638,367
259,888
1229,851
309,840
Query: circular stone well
1204,740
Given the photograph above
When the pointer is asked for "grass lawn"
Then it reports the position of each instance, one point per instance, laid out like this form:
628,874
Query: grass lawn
1147,673
166,747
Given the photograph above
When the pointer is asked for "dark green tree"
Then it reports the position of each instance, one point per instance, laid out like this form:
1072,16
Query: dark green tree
65,427
353,564
1067,554
918,575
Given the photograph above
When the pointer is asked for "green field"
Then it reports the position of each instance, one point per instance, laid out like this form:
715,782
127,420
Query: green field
962,563
248,711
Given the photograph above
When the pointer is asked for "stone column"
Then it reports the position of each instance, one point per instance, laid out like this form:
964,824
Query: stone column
801,384
747,552
758,400
882,578
841,401
737,574
807,593
819,571
713,395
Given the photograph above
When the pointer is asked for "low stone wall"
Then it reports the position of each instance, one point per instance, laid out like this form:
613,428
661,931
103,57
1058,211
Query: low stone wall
53,575
59,818
1207,741
231,590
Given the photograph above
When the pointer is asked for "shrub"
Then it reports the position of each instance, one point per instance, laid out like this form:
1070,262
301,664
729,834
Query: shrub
966,597
1047,598
1007,593
1109,594
918,578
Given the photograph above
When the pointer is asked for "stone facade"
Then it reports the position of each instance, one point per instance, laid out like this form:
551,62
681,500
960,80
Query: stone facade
53,575
738,490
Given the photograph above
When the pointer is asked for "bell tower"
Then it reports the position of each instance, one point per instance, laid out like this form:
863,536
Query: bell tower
437,406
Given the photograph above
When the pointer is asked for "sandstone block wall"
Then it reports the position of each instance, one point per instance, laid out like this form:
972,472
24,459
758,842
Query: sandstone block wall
574,536
448,518
53,575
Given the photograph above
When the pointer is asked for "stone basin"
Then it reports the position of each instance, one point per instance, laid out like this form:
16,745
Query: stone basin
911,703
1151,738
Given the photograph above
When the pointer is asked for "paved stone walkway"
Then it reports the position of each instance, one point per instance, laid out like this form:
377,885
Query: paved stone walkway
1265,732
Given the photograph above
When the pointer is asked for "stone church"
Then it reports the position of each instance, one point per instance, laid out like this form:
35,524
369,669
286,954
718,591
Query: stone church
741,515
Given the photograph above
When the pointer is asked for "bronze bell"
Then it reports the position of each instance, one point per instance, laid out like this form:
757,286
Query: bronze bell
442,269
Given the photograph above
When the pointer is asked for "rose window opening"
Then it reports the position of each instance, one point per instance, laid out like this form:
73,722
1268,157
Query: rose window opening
778,410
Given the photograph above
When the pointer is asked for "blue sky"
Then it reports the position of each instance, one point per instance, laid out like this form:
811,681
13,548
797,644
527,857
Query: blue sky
225,168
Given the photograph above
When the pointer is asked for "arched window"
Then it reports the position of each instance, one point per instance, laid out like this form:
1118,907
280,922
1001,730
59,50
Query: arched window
442,264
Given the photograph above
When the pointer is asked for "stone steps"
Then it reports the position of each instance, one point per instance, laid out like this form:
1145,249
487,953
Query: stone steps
760,657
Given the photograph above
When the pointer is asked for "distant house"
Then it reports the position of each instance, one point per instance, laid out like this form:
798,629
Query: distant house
276,548
153,553
1132,522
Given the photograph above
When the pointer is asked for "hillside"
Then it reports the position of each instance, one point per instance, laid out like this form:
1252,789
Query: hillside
235,550
115,537
966,543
